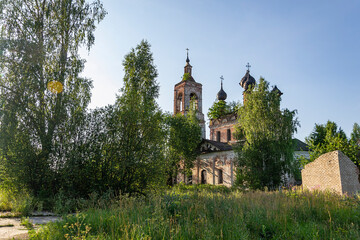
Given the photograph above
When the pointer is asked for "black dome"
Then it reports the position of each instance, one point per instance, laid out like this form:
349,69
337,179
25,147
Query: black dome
221,94
247,81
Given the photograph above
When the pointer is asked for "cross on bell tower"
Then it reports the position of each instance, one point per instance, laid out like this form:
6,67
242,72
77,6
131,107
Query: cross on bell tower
187,55
188,67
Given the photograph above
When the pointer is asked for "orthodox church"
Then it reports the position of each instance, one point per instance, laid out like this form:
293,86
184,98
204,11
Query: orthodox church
216,163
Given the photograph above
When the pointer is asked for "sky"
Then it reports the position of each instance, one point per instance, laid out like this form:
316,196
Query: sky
309,49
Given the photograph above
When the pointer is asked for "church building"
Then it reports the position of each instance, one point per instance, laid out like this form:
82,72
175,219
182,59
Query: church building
216,163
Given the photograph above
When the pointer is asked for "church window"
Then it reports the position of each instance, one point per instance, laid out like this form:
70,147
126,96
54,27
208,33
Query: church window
229,135
194,101
179,105
218,136
220,176
203,177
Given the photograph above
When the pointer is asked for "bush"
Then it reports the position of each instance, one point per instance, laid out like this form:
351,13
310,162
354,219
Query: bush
19,202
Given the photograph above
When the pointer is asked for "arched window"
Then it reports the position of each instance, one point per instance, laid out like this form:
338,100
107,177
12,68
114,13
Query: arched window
229,135
203,177
218,136
179,105
220,176
194,101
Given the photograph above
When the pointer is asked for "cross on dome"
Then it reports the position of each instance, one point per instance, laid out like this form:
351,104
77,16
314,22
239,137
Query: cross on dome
248,66
187,55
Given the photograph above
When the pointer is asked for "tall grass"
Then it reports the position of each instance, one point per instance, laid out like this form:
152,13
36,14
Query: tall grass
200,212
18,202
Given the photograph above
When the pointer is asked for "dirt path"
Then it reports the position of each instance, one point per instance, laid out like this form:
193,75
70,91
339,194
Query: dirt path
10,227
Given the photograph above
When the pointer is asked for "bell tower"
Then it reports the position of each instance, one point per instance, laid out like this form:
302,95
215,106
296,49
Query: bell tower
187,92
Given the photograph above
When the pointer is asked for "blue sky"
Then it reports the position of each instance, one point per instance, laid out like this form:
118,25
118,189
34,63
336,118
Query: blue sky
309,49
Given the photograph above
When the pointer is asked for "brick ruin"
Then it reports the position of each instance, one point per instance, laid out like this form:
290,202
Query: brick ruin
332,171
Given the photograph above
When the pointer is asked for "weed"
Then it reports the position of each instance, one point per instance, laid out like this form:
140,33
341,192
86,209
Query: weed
78,230
26,223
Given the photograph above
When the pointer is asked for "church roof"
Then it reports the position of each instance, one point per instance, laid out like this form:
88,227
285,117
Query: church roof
299,145
247,80
275,89
188,77
208,146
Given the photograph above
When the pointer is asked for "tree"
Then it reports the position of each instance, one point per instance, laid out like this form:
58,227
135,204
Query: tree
327,137
265,151
221,108
218,109
87,169
134,151
184,137
42,94
355,135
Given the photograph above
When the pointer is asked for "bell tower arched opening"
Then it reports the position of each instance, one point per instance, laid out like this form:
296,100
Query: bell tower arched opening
179,103
194,101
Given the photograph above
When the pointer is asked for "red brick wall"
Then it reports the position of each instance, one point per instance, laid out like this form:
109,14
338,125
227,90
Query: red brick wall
222,125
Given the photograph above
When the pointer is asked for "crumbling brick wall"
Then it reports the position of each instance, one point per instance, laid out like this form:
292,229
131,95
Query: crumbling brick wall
331,171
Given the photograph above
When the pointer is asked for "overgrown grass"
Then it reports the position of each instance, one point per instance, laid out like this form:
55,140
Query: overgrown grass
20,203
207,212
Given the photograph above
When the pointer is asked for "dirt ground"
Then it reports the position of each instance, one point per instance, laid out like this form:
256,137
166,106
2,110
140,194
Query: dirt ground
10,227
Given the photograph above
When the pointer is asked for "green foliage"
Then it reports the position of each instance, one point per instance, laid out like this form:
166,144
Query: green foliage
327,137
26,223
120,147
221,108
88,168
195,213
266,151
77,230
39,43
134,150
184,137
186,76
218,109
21,203
355,135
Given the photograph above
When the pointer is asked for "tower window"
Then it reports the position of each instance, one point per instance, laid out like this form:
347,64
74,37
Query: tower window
220,176
218,136
229,135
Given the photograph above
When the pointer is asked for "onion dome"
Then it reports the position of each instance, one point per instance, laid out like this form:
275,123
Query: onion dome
276,90
247,81
221,94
